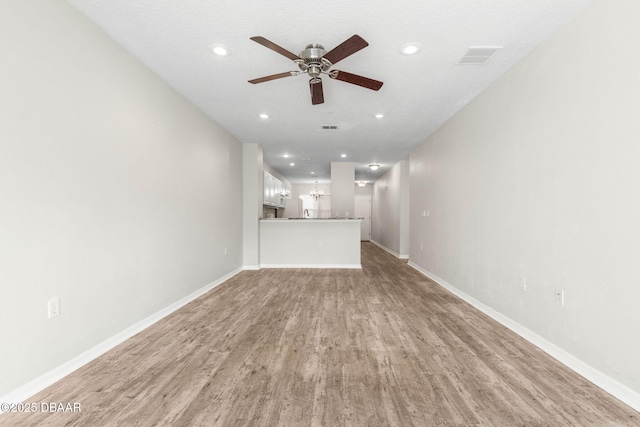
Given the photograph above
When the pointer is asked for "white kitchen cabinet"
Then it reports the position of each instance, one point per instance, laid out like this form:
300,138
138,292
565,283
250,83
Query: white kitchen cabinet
274,191
267,189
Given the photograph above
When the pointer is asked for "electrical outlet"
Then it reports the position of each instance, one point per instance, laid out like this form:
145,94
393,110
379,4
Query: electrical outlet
523,283
560,296
225,251
420,246
319,245
54,307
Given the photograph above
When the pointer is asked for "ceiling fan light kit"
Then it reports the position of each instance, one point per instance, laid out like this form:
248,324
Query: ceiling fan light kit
315,61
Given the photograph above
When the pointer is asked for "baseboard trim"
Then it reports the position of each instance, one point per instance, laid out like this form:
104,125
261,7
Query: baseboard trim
381,246
251,267
608,384
37,385
346,266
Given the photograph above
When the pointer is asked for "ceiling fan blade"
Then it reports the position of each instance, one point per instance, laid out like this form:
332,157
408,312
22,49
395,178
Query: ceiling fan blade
282,51
273,77
317,95
346,48
357,80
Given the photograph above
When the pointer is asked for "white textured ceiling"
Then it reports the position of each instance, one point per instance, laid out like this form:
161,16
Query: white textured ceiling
420,92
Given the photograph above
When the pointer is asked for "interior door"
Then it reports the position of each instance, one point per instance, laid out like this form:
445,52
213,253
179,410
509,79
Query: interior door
363,210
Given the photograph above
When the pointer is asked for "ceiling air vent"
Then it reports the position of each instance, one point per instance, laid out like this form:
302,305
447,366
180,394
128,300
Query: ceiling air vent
329,127
479,54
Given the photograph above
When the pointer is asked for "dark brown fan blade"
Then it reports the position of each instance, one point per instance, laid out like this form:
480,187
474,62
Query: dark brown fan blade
317,95
346,48
282,51
271,77
358,80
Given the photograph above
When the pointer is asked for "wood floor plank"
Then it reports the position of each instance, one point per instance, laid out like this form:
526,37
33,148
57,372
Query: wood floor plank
303,347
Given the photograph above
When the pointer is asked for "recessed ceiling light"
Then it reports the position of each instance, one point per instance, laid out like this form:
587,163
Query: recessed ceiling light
220,50
264,116
361,184
343,155
374,166
379,116
410,48
313,173
292,164
286,156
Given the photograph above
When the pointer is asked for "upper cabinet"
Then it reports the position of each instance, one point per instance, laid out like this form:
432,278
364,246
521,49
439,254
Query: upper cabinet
274,191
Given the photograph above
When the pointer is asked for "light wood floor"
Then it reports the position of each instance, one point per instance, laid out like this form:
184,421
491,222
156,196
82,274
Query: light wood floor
381,346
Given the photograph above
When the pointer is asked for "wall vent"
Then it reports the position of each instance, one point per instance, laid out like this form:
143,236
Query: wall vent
479,54
329,127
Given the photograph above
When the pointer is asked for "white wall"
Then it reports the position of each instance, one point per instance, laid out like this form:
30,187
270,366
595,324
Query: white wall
252,201
390,210
115,191
539,177
343,175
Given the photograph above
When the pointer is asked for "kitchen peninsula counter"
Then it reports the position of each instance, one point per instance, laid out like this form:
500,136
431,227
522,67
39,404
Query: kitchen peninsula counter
310,243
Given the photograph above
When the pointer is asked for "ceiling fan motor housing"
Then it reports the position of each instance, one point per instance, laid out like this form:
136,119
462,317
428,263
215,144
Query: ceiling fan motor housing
312,51
313,61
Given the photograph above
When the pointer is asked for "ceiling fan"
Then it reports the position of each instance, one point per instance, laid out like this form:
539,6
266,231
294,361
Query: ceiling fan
314,61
